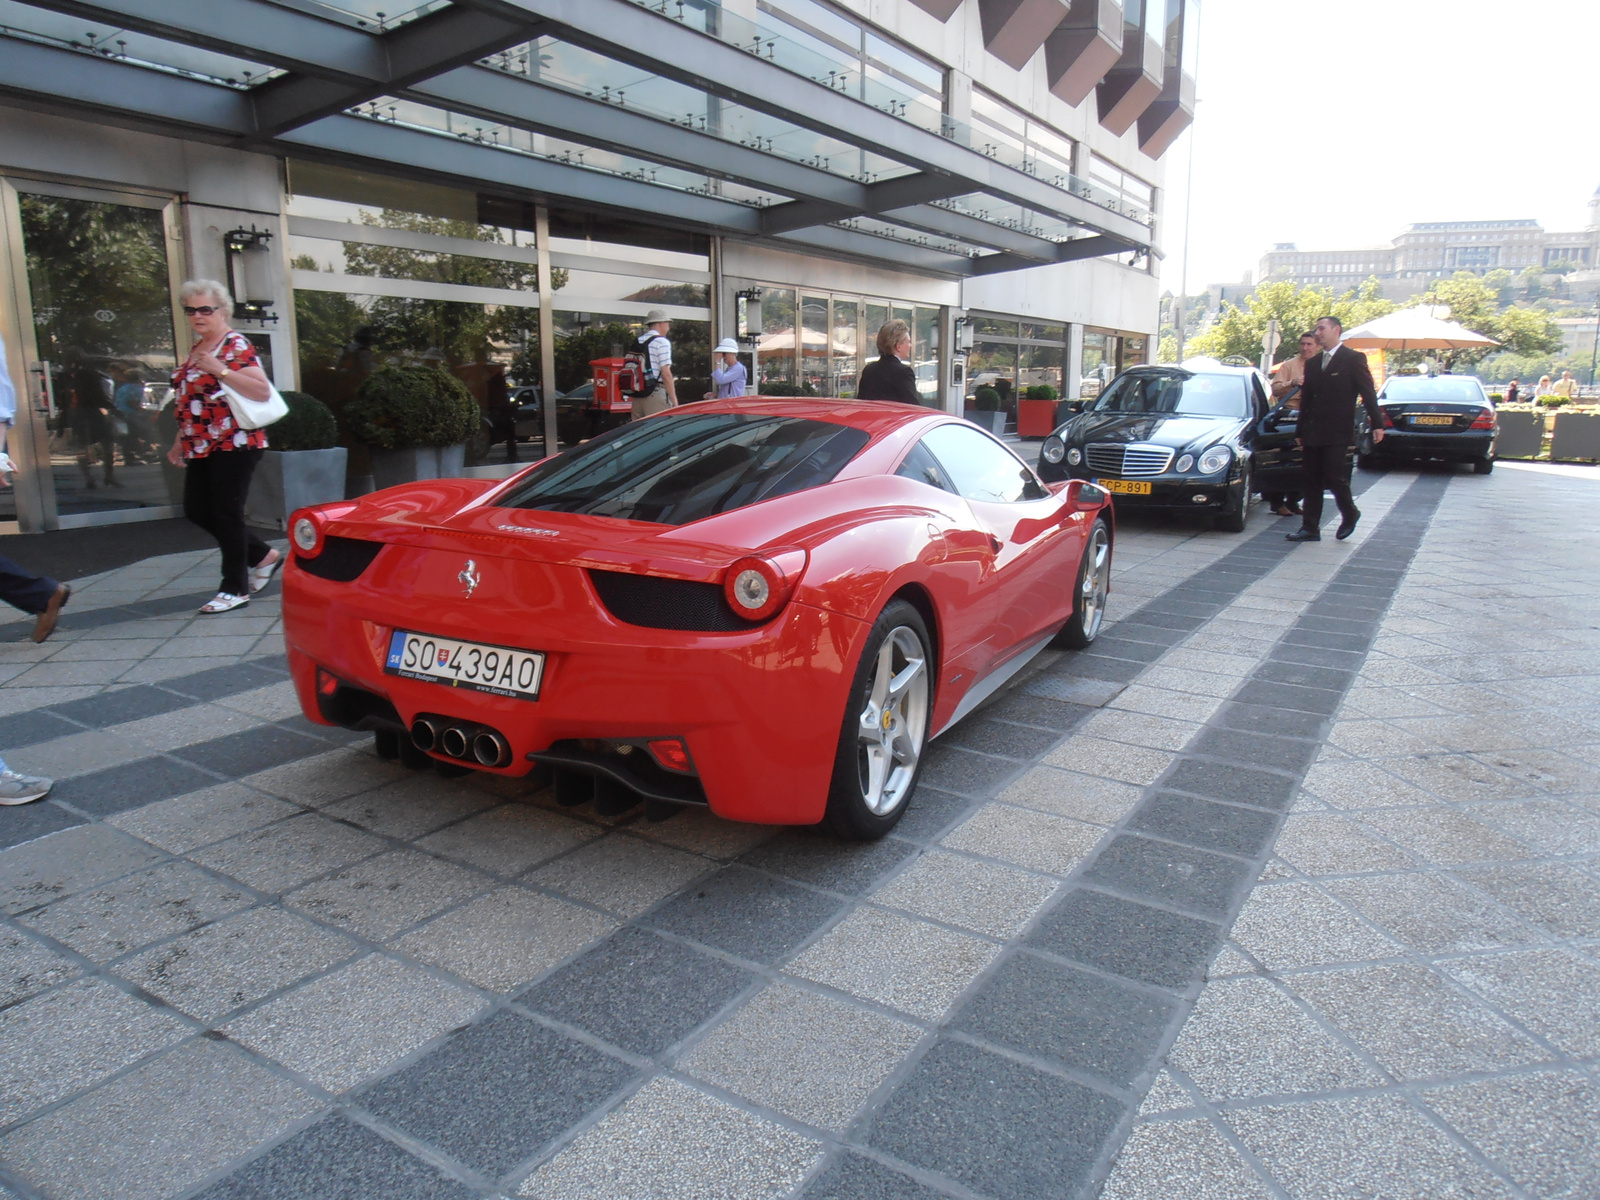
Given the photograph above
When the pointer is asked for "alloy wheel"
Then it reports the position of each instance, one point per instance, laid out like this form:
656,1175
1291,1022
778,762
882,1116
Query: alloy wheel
894,722
1096,581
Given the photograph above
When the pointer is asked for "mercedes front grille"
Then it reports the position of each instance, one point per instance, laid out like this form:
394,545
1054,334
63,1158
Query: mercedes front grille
1128,462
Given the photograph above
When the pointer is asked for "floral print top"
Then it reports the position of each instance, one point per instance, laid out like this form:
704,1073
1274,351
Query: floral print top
205,422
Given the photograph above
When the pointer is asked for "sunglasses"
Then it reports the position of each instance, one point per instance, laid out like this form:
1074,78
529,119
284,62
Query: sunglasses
201,310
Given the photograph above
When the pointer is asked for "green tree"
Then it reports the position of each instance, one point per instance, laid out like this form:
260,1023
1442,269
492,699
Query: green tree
1238,331
1474,304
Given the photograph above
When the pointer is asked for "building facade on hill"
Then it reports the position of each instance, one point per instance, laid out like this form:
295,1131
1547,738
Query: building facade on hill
392,186
1433,250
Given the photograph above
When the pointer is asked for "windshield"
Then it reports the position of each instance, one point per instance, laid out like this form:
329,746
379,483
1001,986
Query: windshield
1175,392
1460,389
688,467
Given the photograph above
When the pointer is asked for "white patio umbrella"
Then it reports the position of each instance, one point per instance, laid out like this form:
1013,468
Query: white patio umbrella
1414,329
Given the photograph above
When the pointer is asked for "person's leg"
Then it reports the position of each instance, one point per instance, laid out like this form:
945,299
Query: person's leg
25,590
1337,469
1311,479
230,483
197,494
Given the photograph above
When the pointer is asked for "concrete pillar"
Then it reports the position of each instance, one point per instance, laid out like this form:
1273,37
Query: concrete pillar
1072,368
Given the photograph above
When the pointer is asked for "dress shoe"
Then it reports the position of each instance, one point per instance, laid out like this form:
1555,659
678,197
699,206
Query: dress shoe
1347,526
46,624
1303,535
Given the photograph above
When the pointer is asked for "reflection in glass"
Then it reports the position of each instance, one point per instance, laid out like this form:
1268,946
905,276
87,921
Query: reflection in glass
846,355
775,351
102,321
814,354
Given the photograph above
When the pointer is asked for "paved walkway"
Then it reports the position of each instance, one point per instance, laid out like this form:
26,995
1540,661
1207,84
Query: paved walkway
244,958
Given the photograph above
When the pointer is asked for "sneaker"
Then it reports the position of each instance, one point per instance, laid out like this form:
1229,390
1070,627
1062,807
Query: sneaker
261,574
223,602
23,789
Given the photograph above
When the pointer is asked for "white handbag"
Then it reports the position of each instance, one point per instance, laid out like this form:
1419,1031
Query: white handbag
255,414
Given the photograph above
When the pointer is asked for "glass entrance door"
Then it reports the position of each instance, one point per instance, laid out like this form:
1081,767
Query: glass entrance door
91,311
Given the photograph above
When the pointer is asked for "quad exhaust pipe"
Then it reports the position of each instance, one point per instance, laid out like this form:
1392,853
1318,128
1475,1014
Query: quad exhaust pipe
461,740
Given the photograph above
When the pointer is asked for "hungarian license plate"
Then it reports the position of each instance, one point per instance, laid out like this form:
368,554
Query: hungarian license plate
1128,487
496,669
1433,419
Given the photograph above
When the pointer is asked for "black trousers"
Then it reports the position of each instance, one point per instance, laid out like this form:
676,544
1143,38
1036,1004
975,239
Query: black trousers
214,491
23,589
1325,467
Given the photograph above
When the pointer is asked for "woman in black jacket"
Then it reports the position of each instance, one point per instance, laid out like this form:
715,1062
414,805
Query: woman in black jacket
891,377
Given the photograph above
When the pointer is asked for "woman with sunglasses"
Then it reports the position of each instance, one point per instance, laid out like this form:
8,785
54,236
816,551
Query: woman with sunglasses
219,457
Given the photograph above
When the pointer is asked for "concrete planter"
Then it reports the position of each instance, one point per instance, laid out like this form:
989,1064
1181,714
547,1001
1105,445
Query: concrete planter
994,422
289,479
391,467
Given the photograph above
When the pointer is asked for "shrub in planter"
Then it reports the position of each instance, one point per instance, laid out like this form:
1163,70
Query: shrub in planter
302,465
309,425
400,408
986,399
1497,397
1553,401
1040,391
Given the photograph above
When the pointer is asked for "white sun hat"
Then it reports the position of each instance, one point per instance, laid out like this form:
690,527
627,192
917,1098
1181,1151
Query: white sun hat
727,346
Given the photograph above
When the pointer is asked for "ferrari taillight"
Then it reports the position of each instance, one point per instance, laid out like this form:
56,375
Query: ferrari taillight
757,587
1485,420
305,531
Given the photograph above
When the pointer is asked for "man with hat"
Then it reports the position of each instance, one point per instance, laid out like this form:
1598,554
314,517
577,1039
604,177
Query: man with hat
657,351
728,375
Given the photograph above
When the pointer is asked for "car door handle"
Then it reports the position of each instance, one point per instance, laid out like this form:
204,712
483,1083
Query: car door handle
994,543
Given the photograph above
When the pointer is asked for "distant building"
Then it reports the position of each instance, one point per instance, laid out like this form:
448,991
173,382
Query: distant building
1437,250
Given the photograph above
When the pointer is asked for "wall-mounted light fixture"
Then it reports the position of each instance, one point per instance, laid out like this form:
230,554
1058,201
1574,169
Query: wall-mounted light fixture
236,244
965,329
748,319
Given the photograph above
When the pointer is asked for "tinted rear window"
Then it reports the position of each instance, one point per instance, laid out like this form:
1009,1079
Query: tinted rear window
1460,390
689,467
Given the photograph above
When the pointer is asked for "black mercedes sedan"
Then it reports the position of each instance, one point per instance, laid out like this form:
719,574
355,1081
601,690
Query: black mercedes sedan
1447,418
1199,437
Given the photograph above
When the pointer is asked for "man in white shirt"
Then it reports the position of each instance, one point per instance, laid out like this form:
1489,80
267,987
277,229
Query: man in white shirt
655,344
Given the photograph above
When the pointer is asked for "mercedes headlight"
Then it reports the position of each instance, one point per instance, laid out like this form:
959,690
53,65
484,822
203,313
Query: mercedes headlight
1074,457
1053,451
1184,463
1215,459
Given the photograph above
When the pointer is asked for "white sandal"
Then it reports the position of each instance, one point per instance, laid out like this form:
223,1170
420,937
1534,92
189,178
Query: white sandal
223,602
261,574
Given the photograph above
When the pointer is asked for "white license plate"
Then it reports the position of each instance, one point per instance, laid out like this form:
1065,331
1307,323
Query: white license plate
497,669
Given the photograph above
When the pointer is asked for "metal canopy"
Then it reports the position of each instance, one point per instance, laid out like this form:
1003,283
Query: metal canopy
333,67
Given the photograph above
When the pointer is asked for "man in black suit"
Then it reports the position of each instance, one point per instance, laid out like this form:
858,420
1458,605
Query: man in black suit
1335,380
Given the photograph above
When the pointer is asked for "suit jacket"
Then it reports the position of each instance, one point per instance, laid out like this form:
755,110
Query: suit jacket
1328,399
888,379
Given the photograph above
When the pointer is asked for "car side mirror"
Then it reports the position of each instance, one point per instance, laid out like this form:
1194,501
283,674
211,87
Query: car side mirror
1074,406
1086,496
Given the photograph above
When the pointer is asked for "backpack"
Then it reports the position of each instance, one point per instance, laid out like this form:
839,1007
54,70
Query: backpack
636,366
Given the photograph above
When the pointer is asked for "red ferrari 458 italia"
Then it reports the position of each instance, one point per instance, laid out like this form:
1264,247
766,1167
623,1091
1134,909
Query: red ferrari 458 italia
765,606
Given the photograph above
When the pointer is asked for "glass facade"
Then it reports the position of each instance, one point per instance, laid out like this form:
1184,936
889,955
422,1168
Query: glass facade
391,272
835,337
104,347
1011,356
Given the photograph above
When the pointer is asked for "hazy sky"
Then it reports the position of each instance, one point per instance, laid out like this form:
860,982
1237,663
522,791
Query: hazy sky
1335,123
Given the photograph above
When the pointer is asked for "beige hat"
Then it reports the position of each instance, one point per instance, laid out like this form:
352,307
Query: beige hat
655,316
727,346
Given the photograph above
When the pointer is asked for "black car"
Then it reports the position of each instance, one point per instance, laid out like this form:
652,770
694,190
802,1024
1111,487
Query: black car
1448,418
1201,437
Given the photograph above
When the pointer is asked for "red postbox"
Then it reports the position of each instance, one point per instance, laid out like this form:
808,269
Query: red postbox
614,378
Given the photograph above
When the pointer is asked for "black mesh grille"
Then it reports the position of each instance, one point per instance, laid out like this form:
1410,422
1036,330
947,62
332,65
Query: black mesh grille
342,559
666,603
